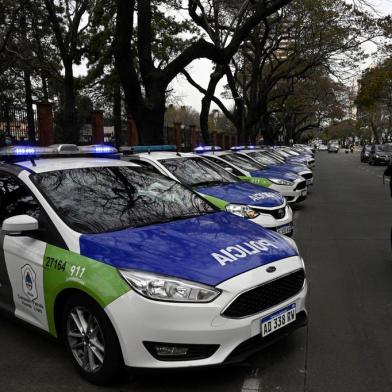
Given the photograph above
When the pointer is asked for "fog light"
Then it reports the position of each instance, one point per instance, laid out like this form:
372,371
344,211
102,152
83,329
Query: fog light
179,351
166,351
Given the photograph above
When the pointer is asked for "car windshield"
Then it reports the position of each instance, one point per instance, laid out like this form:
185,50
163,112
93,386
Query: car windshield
242,162
274,155
105,199
384,148
195,171
291,152
261,158
283,153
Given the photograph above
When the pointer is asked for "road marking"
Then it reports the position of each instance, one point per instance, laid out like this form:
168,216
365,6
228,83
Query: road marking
252,382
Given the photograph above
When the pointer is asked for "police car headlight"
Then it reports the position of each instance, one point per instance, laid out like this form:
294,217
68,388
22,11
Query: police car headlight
242,210
164,288
279,181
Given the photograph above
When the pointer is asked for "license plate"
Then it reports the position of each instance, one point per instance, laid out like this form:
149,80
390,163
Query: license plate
285,229
278,320
308,182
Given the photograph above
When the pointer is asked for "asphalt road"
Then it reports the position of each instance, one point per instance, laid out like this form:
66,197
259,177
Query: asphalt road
343,233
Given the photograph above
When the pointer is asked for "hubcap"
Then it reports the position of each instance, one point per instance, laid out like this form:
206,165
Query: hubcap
85,339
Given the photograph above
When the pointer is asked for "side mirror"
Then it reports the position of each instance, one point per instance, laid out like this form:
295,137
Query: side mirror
19,224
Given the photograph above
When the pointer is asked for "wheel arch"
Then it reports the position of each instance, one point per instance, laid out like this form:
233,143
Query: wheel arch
59,305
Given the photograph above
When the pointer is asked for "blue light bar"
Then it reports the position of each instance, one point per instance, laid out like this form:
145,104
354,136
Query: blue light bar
201,149
25,151
98,149
154,148
238,148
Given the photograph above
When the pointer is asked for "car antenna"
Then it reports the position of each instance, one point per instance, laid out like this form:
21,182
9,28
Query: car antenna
149,151
33,161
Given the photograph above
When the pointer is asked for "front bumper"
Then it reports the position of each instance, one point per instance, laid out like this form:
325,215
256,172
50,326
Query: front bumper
270,222
380,160
308,176
137,320
258,343
291,193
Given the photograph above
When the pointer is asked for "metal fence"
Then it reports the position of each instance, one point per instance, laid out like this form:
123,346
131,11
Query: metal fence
13,122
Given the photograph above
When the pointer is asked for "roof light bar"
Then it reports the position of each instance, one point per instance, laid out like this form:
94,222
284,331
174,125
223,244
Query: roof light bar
98,149
24,151
201,149
153,148
65,148
238,148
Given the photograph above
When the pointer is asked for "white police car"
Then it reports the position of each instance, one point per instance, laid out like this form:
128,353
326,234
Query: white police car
270,163
260,205
128,267
292,186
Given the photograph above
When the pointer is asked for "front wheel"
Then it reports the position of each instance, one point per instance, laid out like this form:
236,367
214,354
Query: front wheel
91,341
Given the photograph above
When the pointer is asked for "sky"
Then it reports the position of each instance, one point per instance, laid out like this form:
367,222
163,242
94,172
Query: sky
201,69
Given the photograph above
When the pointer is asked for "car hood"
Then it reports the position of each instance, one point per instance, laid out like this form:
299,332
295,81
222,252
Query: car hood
275,173
298,159
208,249
244,193
290,167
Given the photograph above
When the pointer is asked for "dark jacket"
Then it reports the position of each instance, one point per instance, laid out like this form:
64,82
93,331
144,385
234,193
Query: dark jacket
388,173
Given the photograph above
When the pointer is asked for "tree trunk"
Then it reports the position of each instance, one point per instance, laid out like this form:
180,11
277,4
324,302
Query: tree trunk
45,91
215,77
70,131
117,115
150,113
266,130
29,106
150,129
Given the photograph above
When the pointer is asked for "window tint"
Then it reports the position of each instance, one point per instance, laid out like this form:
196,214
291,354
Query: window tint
104,199
15,199
242,162
225,165
273,155
264,160
197,171
145,164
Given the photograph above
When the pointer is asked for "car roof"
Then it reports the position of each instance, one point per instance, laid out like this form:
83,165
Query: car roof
53,164
159,155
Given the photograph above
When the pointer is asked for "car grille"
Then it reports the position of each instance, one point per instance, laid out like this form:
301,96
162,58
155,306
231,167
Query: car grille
278,213
307,176
301,185
266,296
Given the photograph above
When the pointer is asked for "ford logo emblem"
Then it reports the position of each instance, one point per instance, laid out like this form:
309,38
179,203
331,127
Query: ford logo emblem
271,269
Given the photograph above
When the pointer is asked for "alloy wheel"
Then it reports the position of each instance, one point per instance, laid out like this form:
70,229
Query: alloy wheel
85,339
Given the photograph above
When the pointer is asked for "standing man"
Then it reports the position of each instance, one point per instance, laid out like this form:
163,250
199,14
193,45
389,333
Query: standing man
388,173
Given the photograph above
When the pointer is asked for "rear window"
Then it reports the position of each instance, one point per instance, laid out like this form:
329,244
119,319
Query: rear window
105,199
384,148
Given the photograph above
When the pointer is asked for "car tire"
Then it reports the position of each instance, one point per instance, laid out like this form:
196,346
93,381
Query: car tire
91,341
